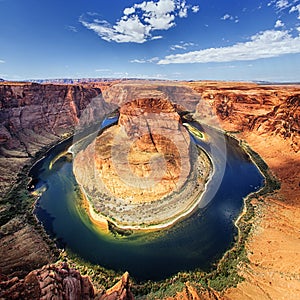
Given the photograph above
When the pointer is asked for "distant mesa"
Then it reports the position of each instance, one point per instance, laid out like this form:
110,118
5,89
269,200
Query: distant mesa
144,172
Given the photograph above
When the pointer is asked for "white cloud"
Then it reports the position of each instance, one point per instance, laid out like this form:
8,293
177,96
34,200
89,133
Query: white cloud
129,10
2,61
279,24
183,12
282,4
175,47
195,8
139,21
296,9
266,44
229,17
131,30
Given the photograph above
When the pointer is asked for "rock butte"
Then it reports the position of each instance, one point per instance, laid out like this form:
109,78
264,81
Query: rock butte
144,172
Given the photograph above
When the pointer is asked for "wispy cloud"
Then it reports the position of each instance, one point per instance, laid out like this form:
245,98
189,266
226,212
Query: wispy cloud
282,4
230,18
195,8
181,46
143,61
71,28
103,70
266,44
2,61
139,21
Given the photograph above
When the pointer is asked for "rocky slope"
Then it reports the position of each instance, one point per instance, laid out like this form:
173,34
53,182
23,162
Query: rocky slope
49,282
60,282
268,119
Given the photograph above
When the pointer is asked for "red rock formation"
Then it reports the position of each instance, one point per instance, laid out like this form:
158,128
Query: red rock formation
144,172
62,283
152,127
120,291
50,282
179,94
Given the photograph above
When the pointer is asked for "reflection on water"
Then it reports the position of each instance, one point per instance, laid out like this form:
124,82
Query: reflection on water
196,242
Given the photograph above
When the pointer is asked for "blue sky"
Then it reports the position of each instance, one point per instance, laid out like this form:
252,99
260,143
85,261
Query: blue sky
164,39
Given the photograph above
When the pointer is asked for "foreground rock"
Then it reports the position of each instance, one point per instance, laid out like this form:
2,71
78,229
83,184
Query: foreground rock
50,282
22,248
120,291
145,172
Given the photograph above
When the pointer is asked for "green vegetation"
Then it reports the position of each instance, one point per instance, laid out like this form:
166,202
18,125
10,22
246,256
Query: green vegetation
101,277
169,289
271,183
18,201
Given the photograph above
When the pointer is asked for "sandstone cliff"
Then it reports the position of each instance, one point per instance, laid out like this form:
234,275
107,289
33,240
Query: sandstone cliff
270,110
60,282
50,282
33,116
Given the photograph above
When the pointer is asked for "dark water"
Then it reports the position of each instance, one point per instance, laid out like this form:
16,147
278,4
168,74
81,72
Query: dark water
194,243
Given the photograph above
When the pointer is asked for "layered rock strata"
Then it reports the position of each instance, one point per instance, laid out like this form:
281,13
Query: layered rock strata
144,172
272,110
32,116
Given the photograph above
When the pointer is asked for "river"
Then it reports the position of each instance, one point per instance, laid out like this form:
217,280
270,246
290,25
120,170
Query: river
196,242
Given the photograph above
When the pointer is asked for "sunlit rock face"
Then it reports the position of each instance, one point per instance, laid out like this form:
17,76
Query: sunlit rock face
144,170
141,159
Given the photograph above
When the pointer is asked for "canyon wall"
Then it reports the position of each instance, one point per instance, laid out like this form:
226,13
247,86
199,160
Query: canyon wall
272,110
33,116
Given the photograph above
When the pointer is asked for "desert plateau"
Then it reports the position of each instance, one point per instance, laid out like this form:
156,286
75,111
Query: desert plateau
264,119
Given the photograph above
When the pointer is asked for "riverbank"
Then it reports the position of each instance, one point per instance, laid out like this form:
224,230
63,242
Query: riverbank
274,242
